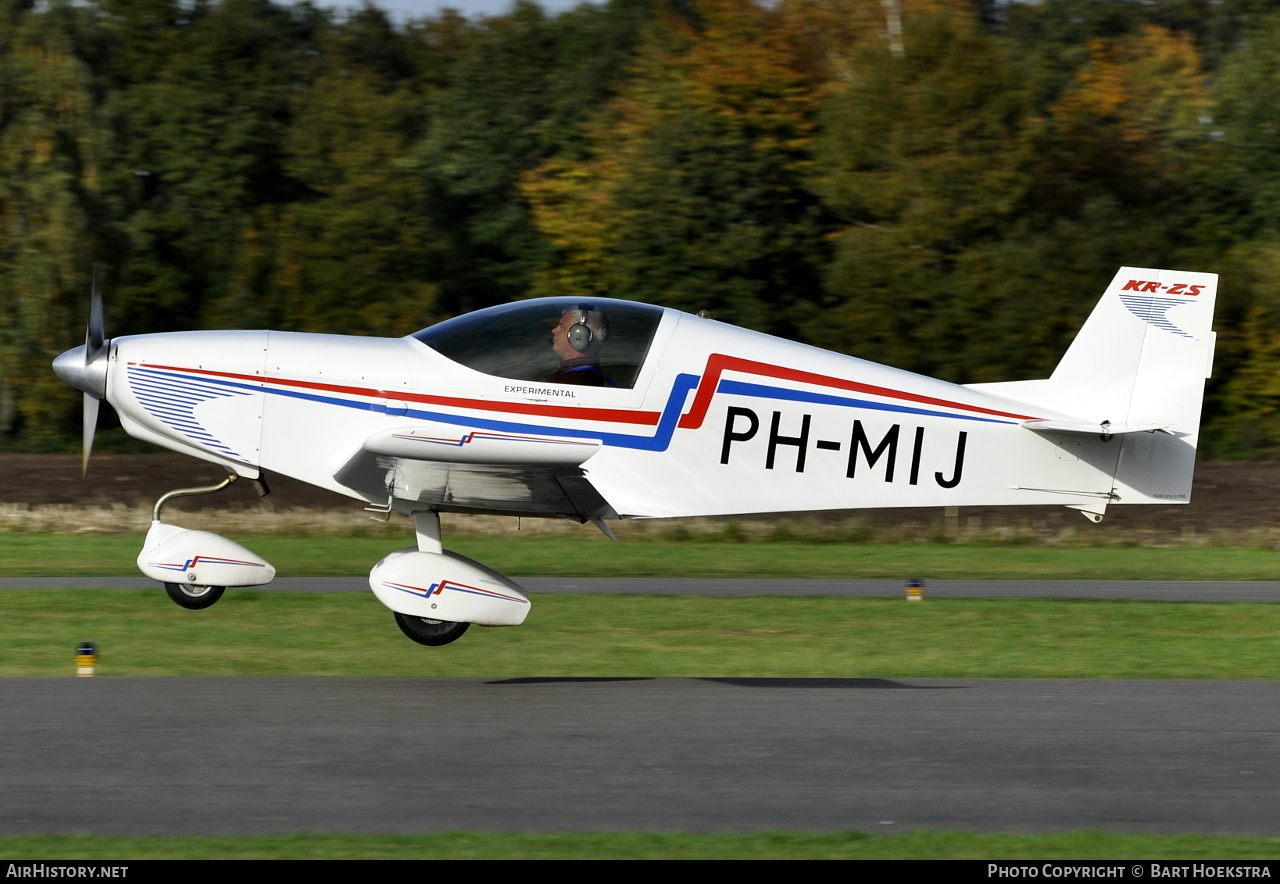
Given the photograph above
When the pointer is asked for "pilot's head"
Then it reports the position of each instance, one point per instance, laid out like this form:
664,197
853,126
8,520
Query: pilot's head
581,332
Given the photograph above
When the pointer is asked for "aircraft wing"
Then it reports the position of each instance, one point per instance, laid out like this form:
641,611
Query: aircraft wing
460,470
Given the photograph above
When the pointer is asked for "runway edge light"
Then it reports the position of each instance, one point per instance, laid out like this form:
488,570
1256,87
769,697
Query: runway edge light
86,659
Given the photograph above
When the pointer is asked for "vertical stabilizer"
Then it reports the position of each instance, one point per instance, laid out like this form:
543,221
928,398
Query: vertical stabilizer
1144,353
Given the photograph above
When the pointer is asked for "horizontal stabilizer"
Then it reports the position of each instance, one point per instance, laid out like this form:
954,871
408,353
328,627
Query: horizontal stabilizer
1106,428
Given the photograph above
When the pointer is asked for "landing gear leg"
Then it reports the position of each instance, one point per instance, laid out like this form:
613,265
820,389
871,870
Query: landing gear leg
190,492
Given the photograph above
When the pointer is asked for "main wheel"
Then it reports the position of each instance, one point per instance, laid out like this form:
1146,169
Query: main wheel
194,598
426,631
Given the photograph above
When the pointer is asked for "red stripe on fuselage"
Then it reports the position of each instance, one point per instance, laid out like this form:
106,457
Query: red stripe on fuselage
718,363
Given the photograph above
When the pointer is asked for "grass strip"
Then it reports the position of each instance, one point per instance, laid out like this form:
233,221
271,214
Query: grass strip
140,632
56,555
763,845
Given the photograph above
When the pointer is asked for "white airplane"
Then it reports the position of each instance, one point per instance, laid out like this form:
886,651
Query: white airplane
635,411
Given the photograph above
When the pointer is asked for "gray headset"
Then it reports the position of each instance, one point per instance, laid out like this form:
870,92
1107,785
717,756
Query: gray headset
580,334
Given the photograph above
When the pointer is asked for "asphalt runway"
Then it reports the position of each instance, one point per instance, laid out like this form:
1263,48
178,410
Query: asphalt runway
1151,590
171,756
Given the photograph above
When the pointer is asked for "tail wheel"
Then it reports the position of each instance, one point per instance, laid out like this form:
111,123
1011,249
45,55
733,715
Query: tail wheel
194,597
426,631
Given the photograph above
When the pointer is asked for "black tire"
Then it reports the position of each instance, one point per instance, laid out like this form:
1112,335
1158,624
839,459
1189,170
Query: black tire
430,632
194,598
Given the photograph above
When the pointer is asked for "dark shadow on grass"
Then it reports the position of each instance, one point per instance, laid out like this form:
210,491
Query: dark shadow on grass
562,679
858,684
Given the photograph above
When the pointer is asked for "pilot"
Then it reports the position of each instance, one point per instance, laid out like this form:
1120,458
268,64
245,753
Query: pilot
577,339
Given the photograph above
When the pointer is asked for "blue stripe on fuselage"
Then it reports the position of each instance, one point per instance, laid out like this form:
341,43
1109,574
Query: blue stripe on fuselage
760,391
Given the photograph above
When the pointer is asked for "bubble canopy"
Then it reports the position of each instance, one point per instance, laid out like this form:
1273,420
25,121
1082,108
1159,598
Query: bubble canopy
514,340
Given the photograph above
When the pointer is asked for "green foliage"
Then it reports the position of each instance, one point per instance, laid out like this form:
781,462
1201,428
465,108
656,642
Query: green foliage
197,145
516,95
1246,416
978,187
926,157
51,141
691,189
350,252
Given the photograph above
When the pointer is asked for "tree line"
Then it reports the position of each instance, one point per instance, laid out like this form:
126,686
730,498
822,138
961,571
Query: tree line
942,185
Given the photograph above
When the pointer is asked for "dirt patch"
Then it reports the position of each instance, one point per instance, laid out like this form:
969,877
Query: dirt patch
134,480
